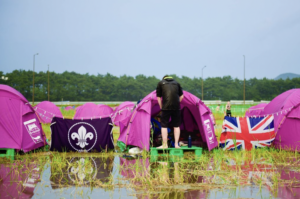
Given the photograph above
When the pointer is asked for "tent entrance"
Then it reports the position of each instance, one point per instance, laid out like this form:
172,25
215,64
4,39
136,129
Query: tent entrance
188,128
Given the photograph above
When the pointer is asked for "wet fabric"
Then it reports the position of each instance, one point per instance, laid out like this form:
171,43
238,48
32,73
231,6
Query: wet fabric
122,111
20,127
77,108
81,135
135,129
90,110
247,133
170,91
285,108
46,111
255,110
105,109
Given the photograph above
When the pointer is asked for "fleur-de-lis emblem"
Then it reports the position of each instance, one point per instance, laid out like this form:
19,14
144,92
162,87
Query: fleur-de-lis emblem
81,169
82,136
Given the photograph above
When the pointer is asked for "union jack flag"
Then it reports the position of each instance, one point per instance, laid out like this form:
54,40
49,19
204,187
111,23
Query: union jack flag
247,132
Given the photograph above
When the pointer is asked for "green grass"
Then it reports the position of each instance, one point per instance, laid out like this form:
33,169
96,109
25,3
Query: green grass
217,168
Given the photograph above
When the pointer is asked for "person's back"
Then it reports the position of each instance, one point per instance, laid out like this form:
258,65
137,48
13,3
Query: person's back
170,91
169,95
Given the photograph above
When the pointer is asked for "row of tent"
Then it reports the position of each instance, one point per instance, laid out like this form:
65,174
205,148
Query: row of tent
20,123
47,110
134,120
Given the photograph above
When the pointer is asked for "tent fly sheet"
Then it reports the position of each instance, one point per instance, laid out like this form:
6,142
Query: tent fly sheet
196,119
20,127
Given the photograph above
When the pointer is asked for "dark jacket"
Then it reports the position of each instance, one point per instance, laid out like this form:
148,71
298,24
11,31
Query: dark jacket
170,91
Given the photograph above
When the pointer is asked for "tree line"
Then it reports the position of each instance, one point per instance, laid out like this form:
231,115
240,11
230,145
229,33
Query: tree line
71,86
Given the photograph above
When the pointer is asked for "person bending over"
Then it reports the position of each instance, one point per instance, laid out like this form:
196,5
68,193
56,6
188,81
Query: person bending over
169,95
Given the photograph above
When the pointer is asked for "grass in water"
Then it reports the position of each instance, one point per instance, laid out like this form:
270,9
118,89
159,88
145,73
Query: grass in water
216,169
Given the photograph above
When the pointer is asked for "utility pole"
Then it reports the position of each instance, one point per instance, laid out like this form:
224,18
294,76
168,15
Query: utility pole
48,85
202,83
33,78
244,79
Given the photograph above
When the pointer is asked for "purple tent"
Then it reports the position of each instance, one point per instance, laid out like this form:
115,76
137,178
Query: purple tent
90,110
122,111
20,127
46,111
286,110
68,108
105,109
196,116
78,108
255,110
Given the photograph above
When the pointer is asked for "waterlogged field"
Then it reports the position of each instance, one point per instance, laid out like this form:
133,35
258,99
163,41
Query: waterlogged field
260,173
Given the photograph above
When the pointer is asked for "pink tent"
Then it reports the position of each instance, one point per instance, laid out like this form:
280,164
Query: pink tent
286,110
105,109
255,110
122,111
90,110
196,116
68,108
78,108
46,111
20,127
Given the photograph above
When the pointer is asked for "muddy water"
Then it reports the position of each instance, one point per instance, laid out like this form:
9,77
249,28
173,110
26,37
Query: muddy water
98,177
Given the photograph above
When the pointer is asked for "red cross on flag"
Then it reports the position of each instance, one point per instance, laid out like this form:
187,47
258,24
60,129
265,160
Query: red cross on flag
247,132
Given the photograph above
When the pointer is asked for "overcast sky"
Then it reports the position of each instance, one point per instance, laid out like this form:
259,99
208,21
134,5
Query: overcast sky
152,37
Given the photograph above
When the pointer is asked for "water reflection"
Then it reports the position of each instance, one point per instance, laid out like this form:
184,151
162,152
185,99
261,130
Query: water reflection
132,168
290,182
81,171
174,193
138,171
117,177
170,172
241,172
18,180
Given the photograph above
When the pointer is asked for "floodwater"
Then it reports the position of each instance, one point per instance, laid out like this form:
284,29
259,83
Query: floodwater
113,177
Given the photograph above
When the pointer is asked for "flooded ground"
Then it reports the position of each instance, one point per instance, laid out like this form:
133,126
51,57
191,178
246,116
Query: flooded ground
218,174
